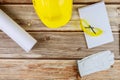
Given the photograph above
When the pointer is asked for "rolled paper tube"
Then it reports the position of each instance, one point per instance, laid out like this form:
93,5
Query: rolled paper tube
15,32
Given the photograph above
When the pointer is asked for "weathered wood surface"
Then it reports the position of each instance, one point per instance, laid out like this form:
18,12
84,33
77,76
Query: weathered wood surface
75,1
51,70
66,44
55,45
69,45
27,18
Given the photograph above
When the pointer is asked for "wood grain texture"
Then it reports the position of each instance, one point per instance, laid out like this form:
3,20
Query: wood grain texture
55,45
27,18
75,1
51,70
92,1
65,43
37,70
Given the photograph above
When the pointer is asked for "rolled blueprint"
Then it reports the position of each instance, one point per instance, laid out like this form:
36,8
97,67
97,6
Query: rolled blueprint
15,32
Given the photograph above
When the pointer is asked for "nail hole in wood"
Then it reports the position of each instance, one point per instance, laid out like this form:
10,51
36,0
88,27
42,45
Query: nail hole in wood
118,11
78,49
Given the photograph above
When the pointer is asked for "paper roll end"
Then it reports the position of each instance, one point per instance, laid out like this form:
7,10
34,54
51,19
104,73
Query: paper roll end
30,46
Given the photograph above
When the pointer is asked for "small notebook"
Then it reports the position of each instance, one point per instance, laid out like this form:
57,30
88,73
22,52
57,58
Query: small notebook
96,15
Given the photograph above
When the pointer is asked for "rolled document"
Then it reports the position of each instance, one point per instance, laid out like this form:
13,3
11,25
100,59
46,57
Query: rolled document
15,32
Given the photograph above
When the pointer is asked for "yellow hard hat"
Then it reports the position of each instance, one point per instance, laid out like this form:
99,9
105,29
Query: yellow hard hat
53,13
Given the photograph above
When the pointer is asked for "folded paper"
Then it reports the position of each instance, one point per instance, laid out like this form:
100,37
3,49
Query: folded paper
96,15
15,32
96,62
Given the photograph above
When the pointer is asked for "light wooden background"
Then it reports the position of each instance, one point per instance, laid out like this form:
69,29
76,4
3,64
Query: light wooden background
54,56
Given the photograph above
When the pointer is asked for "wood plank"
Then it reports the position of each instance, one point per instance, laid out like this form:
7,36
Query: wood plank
15,1
92,1
27,18
51,70
75,1
55,45
37,70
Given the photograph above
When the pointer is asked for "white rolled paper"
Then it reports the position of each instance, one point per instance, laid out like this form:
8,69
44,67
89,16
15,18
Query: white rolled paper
15,32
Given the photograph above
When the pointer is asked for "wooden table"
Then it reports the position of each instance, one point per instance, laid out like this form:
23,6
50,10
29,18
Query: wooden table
54,56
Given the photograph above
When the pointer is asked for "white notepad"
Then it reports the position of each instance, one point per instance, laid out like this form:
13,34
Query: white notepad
96,15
